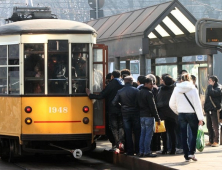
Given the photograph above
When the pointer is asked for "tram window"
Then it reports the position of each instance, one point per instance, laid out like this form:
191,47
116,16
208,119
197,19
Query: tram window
13,54
34,68
3,80
58,67
3,54
98,55
80,65
98,77
58,45
13,80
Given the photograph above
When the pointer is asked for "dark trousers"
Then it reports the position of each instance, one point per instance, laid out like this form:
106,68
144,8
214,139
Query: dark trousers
213,126
170,129
184,119
131,122
116,124
108,130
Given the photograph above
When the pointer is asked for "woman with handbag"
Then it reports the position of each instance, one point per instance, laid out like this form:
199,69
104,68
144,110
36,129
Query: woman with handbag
212,108
165,113
186,103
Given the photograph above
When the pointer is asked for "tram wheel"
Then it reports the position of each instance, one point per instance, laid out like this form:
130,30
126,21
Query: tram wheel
7,149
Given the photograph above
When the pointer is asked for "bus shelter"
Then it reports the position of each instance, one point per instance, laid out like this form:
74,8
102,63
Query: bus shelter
161,38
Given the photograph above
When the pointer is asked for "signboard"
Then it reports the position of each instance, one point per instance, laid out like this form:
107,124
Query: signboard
200,58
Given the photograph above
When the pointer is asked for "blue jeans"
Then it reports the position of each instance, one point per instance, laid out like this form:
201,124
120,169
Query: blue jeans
190,119
147,125
131,122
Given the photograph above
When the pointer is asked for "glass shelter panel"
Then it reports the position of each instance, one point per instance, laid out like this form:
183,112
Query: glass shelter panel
34,69
170,69
58,68
80,68
3,80
3,54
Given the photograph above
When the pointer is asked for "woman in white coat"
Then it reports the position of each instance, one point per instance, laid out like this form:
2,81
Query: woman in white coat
186,103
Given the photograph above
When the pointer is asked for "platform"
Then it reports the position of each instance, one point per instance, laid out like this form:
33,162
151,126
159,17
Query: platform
210,158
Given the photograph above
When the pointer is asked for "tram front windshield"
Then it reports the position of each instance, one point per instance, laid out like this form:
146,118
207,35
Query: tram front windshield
57,68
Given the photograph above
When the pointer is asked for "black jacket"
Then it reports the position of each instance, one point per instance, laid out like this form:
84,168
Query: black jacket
109,92
127,98
162,103
146,103
215,93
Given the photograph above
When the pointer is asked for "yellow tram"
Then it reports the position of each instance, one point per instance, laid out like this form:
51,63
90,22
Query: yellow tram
45,66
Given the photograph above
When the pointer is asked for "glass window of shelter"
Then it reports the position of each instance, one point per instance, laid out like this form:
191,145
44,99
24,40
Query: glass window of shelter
34,82
58,67
80,65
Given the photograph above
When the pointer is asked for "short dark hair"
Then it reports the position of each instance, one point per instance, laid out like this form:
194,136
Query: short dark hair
141,79
214,78
163,75
168,80
116,74
148,80
108,76
183,71
125,71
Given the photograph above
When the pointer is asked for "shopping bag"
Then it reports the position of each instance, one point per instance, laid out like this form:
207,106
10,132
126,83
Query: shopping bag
200,144
160,128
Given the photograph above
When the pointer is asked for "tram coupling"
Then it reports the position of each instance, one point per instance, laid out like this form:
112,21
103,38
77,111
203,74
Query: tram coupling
77,153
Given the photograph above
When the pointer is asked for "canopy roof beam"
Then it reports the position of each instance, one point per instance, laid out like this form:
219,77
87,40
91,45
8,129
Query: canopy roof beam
166,28
180,26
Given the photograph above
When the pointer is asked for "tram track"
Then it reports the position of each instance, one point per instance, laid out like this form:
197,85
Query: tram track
47,162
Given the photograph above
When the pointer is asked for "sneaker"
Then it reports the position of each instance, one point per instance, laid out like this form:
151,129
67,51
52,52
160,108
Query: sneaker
150,155
192,157
117,151
208,144
179,151
113,149
215,144
160,151
187,160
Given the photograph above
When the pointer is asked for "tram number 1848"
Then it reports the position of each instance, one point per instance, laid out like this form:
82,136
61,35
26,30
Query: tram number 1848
58,109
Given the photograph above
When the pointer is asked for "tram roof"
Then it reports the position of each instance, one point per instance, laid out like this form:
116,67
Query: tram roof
46,26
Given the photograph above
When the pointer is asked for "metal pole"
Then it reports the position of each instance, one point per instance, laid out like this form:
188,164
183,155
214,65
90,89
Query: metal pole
97,10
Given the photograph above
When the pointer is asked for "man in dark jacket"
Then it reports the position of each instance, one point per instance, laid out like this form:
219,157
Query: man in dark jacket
148,112
115,116
211,107
131,120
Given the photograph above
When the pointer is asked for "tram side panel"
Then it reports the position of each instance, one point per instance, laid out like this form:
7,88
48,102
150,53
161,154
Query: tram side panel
10,116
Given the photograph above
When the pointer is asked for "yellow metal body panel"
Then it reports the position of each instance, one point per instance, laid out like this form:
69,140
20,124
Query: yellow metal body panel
57,115
10,116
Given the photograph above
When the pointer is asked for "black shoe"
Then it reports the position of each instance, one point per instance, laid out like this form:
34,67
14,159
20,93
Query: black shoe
164,152
172,152
150,155
140,154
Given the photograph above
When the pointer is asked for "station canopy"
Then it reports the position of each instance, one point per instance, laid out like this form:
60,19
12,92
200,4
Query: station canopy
127,33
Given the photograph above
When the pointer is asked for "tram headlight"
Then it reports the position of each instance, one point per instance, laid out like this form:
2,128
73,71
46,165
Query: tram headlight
28,120
85,120
28,109
85,109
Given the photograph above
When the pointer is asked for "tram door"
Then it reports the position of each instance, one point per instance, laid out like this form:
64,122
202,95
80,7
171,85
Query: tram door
100,70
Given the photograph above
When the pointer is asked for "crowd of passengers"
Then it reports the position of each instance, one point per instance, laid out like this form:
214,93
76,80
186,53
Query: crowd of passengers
132,108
